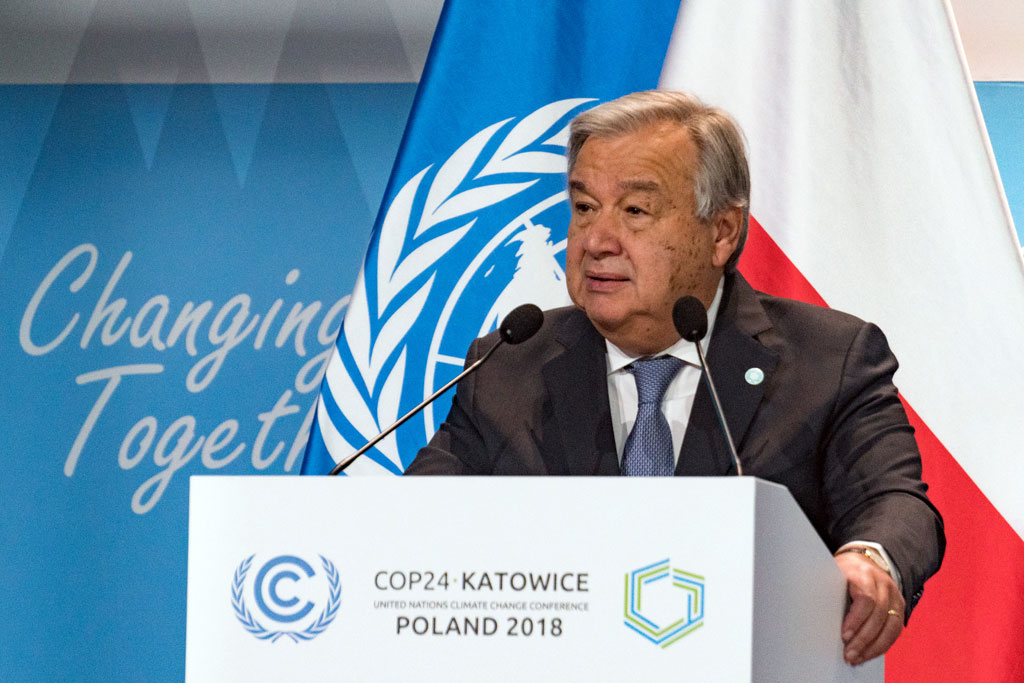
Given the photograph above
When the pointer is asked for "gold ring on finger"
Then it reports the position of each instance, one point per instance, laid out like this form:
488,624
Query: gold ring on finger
892,613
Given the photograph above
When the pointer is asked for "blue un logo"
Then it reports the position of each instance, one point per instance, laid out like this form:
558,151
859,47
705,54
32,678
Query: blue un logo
291,597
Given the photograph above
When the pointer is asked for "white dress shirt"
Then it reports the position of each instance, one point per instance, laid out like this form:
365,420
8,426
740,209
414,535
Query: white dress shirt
678,399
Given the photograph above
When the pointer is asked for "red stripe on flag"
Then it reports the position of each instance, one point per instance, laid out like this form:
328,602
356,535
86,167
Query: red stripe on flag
768,269
969,626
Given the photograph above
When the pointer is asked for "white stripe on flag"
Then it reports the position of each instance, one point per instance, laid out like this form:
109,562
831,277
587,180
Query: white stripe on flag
349,400
871,171
337,443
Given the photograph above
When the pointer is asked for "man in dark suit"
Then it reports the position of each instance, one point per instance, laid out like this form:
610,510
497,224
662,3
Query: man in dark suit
659,191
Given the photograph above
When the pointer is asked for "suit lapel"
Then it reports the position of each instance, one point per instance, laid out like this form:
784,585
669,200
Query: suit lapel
733,351
577,385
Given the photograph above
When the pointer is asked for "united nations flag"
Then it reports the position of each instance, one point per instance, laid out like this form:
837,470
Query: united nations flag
474,220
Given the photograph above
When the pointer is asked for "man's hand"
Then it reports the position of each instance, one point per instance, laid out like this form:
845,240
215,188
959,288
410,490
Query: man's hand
875,617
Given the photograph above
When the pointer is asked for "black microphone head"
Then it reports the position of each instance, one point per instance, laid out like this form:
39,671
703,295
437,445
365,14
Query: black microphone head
690,318
521,324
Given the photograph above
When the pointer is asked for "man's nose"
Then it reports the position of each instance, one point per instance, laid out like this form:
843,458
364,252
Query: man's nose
602,236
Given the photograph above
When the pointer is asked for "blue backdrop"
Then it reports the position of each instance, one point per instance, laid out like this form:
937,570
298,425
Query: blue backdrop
1002,105
197,242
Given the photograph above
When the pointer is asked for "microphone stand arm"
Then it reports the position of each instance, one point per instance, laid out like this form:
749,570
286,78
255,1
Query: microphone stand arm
718,410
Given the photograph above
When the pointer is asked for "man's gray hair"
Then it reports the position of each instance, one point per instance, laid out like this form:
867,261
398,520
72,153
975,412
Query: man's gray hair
723,178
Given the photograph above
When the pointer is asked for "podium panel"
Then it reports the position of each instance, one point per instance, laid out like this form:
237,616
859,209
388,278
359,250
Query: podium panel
508,579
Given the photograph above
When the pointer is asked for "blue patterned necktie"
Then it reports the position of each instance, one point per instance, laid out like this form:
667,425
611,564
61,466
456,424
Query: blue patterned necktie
648,450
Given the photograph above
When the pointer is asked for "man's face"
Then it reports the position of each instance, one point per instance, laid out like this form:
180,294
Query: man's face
634,244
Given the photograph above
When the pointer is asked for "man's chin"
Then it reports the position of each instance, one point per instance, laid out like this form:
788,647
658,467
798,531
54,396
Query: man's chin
605,311
608,323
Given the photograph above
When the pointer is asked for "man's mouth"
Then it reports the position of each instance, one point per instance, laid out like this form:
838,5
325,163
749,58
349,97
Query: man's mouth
603,282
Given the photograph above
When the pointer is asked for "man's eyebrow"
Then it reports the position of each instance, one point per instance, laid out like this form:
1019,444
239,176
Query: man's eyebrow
641,185
635,185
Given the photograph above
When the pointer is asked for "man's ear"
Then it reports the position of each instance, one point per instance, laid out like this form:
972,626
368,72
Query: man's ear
726,226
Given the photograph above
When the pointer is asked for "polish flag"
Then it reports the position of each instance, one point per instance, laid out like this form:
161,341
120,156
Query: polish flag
875,192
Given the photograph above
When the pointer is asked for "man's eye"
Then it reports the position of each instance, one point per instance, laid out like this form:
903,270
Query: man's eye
582,207
635,211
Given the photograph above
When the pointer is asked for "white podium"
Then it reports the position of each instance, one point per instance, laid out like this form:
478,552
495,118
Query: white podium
509,579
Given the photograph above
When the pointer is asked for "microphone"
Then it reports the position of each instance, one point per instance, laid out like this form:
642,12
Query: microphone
518,326
691,321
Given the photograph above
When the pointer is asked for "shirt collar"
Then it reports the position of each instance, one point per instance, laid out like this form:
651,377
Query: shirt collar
682,349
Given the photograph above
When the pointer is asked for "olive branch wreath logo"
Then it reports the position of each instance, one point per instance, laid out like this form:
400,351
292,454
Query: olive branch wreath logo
393,274
254,627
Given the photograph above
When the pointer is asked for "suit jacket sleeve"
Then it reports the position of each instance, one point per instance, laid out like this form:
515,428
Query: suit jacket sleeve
872,468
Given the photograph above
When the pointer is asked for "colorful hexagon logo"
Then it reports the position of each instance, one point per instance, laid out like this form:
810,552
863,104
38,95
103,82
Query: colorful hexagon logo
664,604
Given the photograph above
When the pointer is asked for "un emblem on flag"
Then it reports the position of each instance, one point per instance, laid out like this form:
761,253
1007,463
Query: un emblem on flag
286,592
462,242
524,262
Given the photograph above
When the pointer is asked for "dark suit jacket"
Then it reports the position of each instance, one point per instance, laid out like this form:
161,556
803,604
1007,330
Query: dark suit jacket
826,421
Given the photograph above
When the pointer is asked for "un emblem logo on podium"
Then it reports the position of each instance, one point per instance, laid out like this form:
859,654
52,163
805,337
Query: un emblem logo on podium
290,598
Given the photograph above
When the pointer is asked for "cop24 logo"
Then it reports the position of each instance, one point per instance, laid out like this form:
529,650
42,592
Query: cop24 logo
459,247
663,603
276,590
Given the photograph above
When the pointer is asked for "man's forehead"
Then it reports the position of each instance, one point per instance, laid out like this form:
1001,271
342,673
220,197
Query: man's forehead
641,160
660,134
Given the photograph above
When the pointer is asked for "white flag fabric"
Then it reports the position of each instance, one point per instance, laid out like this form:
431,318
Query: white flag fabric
874,188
